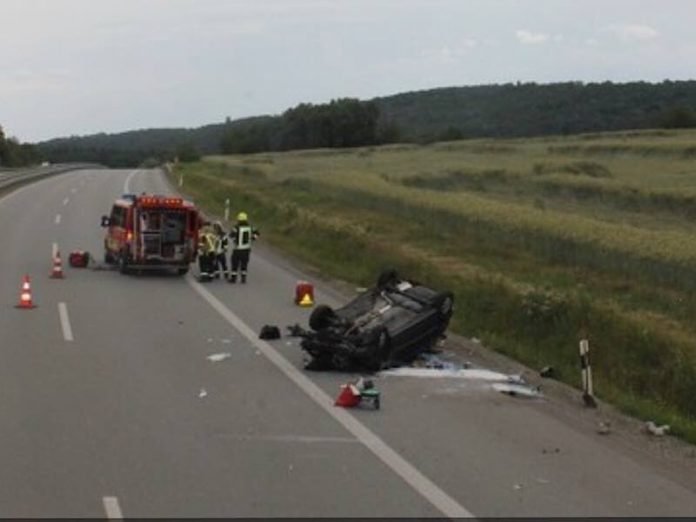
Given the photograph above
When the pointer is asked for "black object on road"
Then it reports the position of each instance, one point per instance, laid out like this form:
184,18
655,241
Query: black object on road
269,332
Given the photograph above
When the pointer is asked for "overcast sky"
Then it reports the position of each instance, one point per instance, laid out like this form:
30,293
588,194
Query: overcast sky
74,67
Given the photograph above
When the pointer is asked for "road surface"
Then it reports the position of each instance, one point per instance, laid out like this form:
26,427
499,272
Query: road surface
111,408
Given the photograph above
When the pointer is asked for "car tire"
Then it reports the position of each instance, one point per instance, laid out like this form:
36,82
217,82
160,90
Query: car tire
123,263
322,317
108,258
444,304
182,271
387,278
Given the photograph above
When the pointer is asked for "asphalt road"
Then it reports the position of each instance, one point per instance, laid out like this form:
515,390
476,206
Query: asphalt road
102,415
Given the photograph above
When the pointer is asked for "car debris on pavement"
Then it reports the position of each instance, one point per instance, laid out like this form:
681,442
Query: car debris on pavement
269,332
217,357
518,390
657,431
604,427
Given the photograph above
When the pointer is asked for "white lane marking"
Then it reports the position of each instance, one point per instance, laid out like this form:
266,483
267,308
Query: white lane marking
54,250
65,322
57,219
126,185
407,471
65,201
113,510
303,439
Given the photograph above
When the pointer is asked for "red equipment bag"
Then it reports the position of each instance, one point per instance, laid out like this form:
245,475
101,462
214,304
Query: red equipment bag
79,259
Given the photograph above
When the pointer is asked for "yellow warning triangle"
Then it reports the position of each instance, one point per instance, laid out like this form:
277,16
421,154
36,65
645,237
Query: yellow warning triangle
306,301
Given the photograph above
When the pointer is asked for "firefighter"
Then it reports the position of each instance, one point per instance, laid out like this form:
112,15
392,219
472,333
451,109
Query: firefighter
206,253
221,246
242,235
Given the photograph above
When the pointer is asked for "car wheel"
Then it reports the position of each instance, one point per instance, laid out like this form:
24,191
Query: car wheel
182,271
108,258
322,317
387,278
123,263
444,304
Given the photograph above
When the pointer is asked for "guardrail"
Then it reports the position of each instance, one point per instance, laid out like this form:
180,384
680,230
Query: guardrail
12,177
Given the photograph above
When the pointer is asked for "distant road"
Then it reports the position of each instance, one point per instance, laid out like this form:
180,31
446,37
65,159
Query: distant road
110,406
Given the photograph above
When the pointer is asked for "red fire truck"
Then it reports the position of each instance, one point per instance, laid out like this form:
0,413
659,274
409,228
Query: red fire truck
147,232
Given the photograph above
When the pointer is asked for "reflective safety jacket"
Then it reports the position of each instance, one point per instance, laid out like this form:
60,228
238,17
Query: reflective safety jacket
206,243
221,244
242,235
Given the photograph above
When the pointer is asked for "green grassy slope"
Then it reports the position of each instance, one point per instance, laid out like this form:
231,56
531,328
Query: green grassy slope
542,240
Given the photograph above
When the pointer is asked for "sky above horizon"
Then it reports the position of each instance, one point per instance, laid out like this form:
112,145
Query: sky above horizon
76,67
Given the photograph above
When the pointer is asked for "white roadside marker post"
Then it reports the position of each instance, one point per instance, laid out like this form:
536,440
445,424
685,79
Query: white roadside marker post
587,389
227,210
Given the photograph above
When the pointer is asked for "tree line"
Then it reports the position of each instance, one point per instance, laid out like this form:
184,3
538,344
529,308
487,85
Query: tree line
503,110
345,122
16,154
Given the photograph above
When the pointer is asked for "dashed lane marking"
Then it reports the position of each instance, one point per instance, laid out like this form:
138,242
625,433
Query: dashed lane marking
57,219
65,322
112,508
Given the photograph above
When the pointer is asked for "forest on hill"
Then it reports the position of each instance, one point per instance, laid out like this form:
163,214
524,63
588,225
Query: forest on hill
505,110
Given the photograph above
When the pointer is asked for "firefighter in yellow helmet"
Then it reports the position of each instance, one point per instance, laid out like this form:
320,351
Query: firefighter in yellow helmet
242,235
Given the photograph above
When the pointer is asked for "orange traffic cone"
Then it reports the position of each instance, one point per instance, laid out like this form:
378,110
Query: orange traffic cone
25,295
349,396
57,272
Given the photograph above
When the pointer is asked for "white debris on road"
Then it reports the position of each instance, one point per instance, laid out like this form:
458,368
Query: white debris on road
517,390
654,429
202,393
462,373
217,357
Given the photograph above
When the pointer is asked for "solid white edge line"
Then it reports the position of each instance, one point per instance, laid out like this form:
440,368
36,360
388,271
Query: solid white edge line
66,201
65,322
57,219
404,469
113,510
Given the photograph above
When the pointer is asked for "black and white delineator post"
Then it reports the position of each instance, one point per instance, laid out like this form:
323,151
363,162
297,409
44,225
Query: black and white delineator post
587,392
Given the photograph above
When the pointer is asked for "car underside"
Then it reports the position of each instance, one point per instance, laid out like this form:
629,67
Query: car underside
389,324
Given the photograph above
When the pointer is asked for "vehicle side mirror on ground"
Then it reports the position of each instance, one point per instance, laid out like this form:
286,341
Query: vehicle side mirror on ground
105,221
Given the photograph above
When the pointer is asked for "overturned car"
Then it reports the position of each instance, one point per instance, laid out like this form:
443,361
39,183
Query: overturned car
389,324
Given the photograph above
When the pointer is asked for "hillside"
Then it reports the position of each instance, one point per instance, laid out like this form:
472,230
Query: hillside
529,109
510,110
